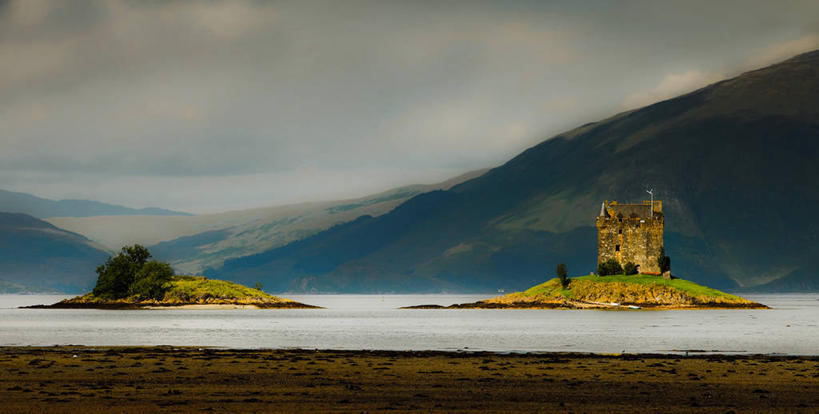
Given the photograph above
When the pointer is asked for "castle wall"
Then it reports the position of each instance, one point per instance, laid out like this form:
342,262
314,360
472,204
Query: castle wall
630,239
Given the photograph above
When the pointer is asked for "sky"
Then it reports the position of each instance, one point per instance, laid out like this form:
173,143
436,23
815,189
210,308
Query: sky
206,106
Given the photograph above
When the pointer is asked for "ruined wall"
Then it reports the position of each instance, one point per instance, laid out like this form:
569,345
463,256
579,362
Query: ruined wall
632,238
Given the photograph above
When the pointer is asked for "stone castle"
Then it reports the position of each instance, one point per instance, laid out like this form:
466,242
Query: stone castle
631,233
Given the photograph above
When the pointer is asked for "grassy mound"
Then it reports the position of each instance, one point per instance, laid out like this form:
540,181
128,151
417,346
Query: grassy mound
619,290
189,290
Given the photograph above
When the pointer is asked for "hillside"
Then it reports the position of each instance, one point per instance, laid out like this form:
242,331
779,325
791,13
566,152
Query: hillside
614,292
13,202
734,163
189,291
37,256
192,244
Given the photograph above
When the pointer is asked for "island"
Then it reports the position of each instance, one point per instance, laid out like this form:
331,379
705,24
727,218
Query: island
130,281
626,292
187,292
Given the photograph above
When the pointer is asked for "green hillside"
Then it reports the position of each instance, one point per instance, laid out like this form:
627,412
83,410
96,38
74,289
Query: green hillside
734,163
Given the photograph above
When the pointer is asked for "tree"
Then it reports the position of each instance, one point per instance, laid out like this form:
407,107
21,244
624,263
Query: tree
563,274
151,281
117,275
663,261
630,268
258,286
609,267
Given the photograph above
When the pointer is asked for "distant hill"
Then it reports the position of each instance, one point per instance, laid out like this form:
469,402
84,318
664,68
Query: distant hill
735,164
37,256
42,207
194,243
800,280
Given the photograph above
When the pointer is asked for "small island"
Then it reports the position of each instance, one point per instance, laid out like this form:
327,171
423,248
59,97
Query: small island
639,291
633,272
131,281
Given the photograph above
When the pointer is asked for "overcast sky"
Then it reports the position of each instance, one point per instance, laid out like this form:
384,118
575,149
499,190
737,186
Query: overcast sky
205,106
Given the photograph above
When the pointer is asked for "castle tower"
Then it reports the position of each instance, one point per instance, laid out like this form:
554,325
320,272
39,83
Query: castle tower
631,233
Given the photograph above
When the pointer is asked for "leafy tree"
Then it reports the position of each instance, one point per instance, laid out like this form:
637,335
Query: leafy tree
630,268
117,275
563,274
258,286
151,280
663,261
609,267
137,254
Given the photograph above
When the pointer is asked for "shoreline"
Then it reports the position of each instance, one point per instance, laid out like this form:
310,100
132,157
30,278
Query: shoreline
155,306
579,305
672,353
196,379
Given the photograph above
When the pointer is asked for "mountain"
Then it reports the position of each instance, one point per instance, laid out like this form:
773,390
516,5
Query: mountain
42,207
800,280
37,256
735,164
194,243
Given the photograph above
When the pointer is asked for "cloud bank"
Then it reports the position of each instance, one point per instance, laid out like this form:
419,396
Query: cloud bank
205,106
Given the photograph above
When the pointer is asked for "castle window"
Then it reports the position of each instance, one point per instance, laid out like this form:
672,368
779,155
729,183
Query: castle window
616,247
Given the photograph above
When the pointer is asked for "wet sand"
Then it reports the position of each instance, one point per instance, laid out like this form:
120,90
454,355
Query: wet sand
164,379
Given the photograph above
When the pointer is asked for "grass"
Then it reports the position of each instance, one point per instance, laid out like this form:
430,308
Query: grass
186,288
641,288
196,290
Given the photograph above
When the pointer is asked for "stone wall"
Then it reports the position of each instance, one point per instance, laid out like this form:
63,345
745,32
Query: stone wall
630,238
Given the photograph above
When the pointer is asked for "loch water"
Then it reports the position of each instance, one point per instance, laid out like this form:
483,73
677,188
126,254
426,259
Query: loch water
791,327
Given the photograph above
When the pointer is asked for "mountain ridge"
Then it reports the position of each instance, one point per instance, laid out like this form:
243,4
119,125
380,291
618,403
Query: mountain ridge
36,255
15,202
720,158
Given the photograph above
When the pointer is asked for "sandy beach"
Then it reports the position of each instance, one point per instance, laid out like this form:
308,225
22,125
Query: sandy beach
164,379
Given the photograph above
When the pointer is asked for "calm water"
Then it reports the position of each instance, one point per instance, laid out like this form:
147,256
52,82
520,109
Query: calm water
373,322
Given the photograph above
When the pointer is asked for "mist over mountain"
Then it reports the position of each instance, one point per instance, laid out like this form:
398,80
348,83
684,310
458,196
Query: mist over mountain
734,163
13,202
37,256
193,243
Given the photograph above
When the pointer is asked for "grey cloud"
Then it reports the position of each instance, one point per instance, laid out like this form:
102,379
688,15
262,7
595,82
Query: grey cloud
227,95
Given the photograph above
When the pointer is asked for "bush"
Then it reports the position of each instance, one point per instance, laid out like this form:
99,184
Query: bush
609,267
630,268
563,274
663,261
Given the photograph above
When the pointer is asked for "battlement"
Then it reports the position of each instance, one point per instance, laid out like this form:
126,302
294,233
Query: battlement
613,209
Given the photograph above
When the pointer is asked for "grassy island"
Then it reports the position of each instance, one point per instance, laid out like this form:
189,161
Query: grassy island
188,292
130,280
614,292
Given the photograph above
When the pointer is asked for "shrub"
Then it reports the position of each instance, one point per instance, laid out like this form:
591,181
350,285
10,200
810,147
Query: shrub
630,268
563,274
609,267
